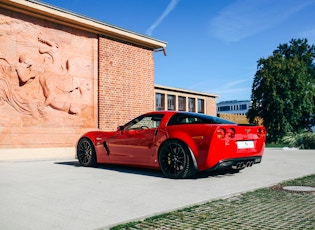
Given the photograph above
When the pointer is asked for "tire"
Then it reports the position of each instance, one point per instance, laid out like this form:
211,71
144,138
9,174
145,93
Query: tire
175,160
86,152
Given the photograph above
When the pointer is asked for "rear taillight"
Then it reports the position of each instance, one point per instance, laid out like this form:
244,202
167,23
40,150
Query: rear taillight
230,133
220,133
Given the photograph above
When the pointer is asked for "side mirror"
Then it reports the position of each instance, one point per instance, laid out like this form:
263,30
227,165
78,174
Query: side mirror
120,128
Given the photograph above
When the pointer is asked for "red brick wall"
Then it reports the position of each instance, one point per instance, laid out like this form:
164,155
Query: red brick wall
126,82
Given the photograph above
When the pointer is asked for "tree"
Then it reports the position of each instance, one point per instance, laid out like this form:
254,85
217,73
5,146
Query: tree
283,90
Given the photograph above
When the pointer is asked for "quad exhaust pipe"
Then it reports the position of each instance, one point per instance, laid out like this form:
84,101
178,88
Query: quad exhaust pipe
241,165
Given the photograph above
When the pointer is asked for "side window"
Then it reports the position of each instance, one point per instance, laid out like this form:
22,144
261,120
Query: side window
179,119
145,122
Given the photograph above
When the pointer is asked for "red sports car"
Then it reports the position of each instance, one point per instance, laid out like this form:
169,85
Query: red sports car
178,143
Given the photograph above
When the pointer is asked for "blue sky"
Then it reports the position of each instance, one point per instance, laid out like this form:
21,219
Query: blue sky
212,45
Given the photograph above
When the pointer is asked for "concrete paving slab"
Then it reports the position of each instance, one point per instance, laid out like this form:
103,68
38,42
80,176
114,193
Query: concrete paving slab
21,154
57,193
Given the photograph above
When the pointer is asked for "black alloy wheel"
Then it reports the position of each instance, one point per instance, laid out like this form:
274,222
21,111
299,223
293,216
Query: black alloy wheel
86,152
175,160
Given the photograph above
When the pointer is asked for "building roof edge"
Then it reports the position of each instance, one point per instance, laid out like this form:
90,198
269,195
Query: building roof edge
62,16
184,91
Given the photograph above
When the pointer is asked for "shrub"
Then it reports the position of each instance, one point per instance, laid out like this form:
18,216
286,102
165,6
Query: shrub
304,140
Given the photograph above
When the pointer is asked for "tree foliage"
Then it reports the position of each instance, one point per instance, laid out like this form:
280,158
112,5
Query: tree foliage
283,91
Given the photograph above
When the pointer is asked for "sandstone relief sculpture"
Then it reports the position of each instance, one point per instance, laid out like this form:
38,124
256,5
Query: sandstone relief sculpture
61,90
7,93
37,76
24,71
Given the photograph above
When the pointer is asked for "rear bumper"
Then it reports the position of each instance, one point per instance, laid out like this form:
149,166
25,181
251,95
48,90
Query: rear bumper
236,163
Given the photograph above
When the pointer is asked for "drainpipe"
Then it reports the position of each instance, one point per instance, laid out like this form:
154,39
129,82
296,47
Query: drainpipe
161,49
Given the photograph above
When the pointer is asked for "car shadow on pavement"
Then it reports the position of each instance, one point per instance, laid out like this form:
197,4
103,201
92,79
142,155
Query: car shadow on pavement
70,163
218,173
149,172
118,168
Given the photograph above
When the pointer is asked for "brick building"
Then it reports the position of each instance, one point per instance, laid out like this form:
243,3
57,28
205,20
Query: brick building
62,74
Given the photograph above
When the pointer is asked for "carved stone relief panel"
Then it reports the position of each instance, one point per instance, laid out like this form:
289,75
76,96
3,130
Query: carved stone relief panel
48,73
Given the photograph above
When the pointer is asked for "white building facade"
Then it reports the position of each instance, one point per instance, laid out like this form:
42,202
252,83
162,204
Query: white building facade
234,107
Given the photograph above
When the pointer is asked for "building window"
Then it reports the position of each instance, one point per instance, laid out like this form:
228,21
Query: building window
243,107
170,102
201,106
159,100
224,108
191,104
182,103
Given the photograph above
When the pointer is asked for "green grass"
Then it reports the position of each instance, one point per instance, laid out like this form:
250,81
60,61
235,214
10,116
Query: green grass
267,208
275,145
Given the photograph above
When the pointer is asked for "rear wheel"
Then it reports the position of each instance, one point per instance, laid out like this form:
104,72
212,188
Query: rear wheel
175,160
86,152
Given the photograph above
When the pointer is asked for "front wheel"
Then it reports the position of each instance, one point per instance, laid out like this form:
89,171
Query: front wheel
175,160
86,152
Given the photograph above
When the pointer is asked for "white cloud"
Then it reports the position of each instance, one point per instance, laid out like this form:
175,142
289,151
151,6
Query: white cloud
222,86
234,88
171,6
232,84
245,18
239,89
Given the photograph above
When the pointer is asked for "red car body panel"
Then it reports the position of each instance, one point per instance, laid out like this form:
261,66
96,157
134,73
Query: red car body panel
209,144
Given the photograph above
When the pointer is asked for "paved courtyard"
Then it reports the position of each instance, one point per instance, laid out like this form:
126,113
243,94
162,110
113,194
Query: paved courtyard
56,193
271,208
